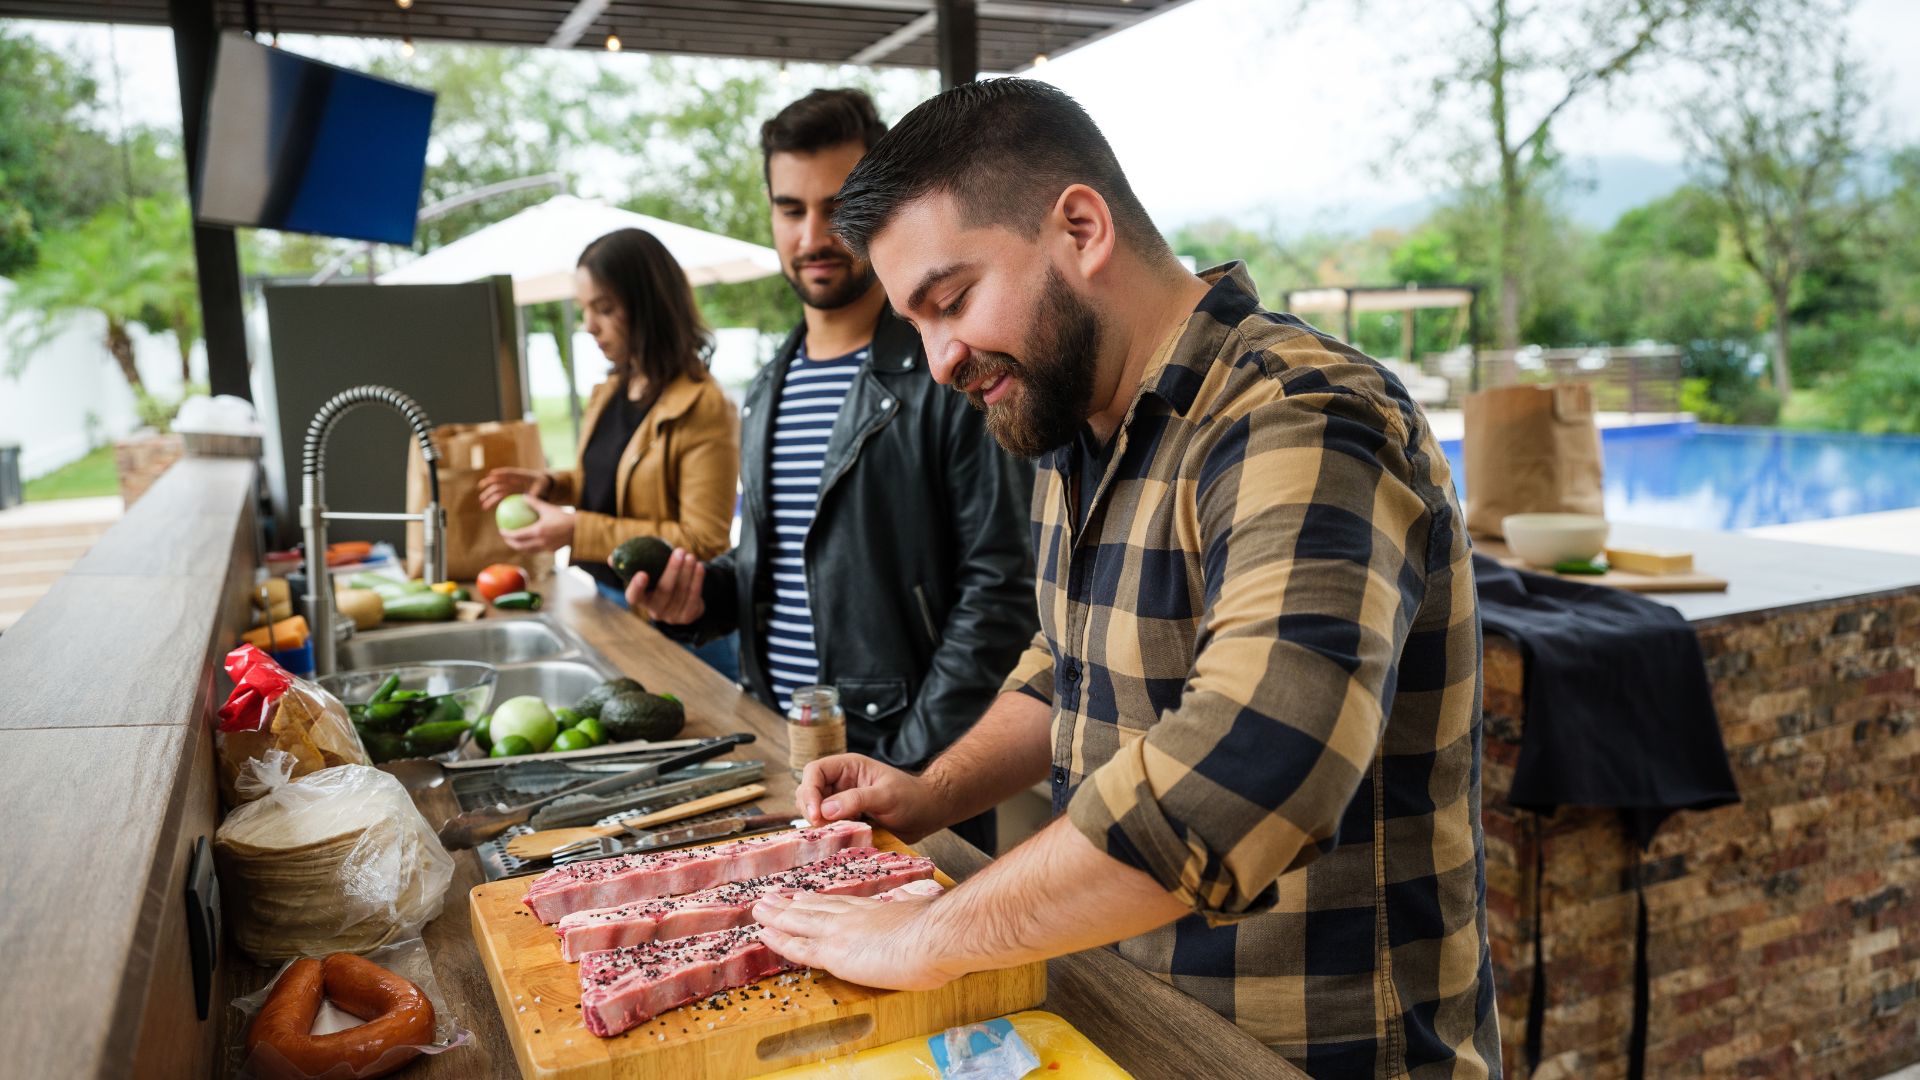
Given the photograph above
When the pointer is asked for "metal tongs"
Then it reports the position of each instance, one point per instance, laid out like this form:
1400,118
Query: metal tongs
478,826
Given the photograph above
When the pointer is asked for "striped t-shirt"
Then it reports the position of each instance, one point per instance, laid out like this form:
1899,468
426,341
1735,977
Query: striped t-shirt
810,401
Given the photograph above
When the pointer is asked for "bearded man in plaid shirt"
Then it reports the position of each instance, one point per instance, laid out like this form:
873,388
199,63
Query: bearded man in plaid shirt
1256,686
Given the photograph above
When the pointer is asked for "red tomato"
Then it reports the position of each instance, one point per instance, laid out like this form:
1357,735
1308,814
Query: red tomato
500,579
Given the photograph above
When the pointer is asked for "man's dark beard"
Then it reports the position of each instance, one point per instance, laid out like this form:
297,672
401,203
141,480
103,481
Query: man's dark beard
859,280
1055,390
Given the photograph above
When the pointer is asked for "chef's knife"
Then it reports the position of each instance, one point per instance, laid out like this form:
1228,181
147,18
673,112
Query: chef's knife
478,826
705,830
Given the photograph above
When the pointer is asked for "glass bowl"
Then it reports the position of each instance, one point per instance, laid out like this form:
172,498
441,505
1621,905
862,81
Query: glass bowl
438,693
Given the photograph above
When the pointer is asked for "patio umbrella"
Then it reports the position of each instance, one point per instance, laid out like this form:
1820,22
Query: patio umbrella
539,246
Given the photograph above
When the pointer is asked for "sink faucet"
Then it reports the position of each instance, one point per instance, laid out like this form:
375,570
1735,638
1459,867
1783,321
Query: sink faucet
314,514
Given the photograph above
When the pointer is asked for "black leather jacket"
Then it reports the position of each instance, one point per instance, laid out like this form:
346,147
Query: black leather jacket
919,560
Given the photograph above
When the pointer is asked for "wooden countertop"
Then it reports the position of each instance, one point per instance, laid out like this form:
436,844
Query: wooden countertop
106,781
1098,992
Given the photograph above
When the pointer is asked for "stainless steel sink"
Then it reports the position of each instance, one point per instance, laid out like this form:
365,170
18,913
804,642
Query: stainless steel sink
556,682
494,641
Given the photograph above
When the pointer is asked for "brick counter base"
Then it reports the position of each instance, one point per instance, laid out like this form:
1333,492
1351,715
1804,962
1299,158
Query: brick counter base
1784,932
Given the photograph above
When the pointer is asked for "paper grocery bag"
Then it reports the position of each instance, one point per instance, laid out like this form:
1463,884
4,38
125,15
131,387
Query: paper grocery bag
467,452
1531,449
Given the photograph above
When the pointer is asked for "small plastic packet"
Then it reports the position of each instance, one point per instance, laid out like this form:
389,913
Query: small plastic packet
271,709
407,959
989,1051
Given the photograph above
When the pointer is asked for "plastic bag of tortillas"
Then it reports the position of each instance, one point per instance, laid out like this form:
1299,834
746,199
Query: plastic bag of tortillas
335,861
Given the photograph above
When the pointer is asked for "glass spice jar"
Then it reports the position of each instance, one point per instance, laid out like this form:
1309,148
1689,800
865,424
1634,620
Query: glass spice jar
816,727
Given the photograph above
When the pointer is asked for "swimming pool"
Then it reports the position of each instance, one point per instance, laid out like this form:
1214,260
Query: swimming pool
1698,476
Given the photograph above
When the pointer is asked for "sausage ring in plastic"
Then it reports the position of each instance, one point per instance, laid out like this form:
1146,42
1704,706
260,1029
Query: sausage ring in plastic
398,1019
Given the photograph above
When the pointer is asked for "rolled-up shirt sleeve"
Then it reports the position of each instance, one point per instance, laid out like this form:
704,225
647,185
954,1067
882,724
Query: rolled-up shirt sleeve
1032,675
1313,547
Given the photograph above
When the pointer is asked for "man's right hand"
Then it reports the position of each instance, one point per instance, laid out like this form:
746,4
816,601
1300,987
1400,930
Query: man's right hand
676,597
848,786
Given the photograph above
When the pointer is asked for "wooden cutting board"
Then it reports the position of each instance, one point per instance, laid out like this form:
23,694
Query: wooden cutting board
539,997
1618,579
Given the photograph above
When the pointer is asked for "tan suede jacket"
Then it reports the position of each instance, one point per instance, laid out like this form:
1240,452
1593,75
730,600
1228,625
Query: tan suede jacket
677,477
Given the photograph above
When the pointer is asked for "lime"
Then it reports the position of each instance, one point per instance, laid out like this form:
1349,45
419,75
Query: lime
566,717
591,729
482,734
571,739
512,746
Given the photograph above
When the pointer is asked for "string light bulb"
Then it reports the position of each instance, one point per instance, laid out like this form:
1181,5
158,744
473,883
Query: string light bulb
1039,59
785,75
404,4
406,47
613,42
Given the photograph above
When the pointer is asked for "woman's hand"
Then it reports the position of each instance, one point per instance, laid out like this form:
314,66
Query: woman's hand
500,483
552,531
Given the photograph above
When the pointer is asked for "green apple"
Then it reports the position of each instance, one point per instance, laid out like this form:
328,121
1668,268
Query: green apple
527,717
514,513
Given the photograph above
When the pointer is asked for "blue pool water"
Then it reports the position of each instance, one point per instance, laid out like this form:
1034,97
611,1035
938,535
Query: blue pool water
1697,476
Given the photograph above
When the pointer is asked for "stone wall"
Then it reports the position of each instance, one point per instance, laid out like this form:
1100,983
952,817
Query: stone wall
1784,932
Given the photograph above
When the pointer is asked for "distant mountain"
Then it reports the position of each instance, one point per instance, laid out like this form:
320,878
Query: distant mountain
1597,192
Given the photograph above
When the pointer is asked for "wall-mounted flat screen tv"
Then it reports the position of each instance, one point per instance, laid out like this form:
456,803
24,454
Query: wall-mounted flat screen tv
295,144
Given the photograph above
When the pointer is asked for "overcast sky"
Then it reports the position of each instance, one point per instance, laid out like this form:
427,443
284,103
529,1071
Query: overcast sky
1224,107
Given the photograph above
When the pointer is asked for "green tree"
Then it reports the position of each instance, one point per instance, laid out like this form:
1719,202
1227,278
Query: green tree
57,167
1777,143
132,263
1519,66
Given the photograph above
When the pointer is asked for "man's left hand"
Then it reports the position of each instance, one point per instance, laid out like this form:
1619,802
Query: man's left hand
553,530
879,943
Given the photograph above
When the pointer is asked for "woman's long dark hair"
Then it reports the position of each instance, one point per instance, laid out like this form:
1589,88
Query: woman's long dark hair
666,336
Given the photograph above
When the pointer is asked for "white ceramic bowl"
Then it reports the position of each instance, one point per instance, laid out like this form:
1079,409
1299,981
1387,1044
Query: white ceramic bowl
1545,539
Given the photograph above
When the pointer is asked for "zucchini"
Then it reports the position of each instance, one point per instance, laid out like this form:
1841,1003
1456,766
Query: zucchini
426,606
518,601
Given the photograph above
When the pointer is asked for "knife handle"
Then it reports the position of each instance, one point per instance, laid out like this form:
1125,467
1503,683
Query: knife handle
716,801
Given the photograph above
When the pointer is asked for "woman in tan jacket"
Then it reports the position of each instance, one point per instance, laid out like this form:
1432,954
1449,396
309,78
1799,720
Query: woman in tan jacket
660,452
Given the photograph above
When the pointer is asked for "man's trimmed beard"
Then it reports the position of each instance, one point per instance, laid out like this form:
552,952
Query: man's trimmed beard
860,278
1054,393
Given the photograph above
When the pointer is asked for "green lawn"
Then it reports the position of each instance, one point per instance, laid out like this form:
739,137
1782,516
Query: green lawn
556,431
91,475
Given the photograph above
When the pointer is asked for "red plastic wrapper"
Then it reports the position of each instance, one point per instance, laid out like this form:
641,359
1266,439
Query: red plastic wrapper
271,709
258,682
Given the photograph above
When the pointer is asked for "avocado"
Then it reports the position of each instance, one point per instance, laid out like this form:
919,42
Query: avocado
642,554
590,702
632,716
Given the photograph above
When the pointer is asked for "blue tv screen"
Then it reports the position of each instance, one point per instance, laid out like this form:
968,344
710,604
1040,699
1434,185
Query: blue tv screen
295,144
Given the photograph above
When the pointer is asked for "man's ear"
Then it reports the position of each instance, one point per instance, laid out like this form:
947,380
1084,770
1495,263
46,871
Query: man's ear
1083,222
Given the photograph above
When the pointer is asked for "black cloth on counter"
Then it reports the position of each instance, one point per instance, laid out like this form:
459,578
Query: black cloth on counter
1619,713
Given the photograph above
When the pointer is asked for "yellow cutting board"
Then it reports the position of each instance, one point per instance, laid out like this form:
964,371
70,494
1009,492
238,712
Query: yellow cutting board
1064,1054
539,998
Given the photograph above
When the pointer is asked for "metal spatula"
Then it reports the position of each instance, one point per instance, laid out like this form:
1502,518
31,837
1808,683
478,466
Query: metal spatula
540,845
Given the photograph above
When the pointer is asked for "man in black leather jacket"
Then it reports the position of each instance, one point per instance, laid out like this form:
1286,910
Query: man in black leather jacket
891,558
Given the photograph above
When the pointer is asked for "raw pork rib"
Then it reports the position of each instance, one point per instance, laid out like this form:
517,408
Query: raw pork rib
622,988
853,872
625,879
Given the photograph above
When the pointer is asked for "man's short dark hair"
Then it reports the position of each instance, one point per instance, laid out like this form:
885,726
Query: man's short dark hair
1005,149
822,119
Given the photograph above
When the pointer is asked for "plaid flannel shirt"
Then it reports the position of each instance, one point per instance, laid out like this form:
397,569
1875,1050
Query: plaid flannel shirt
1263,659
